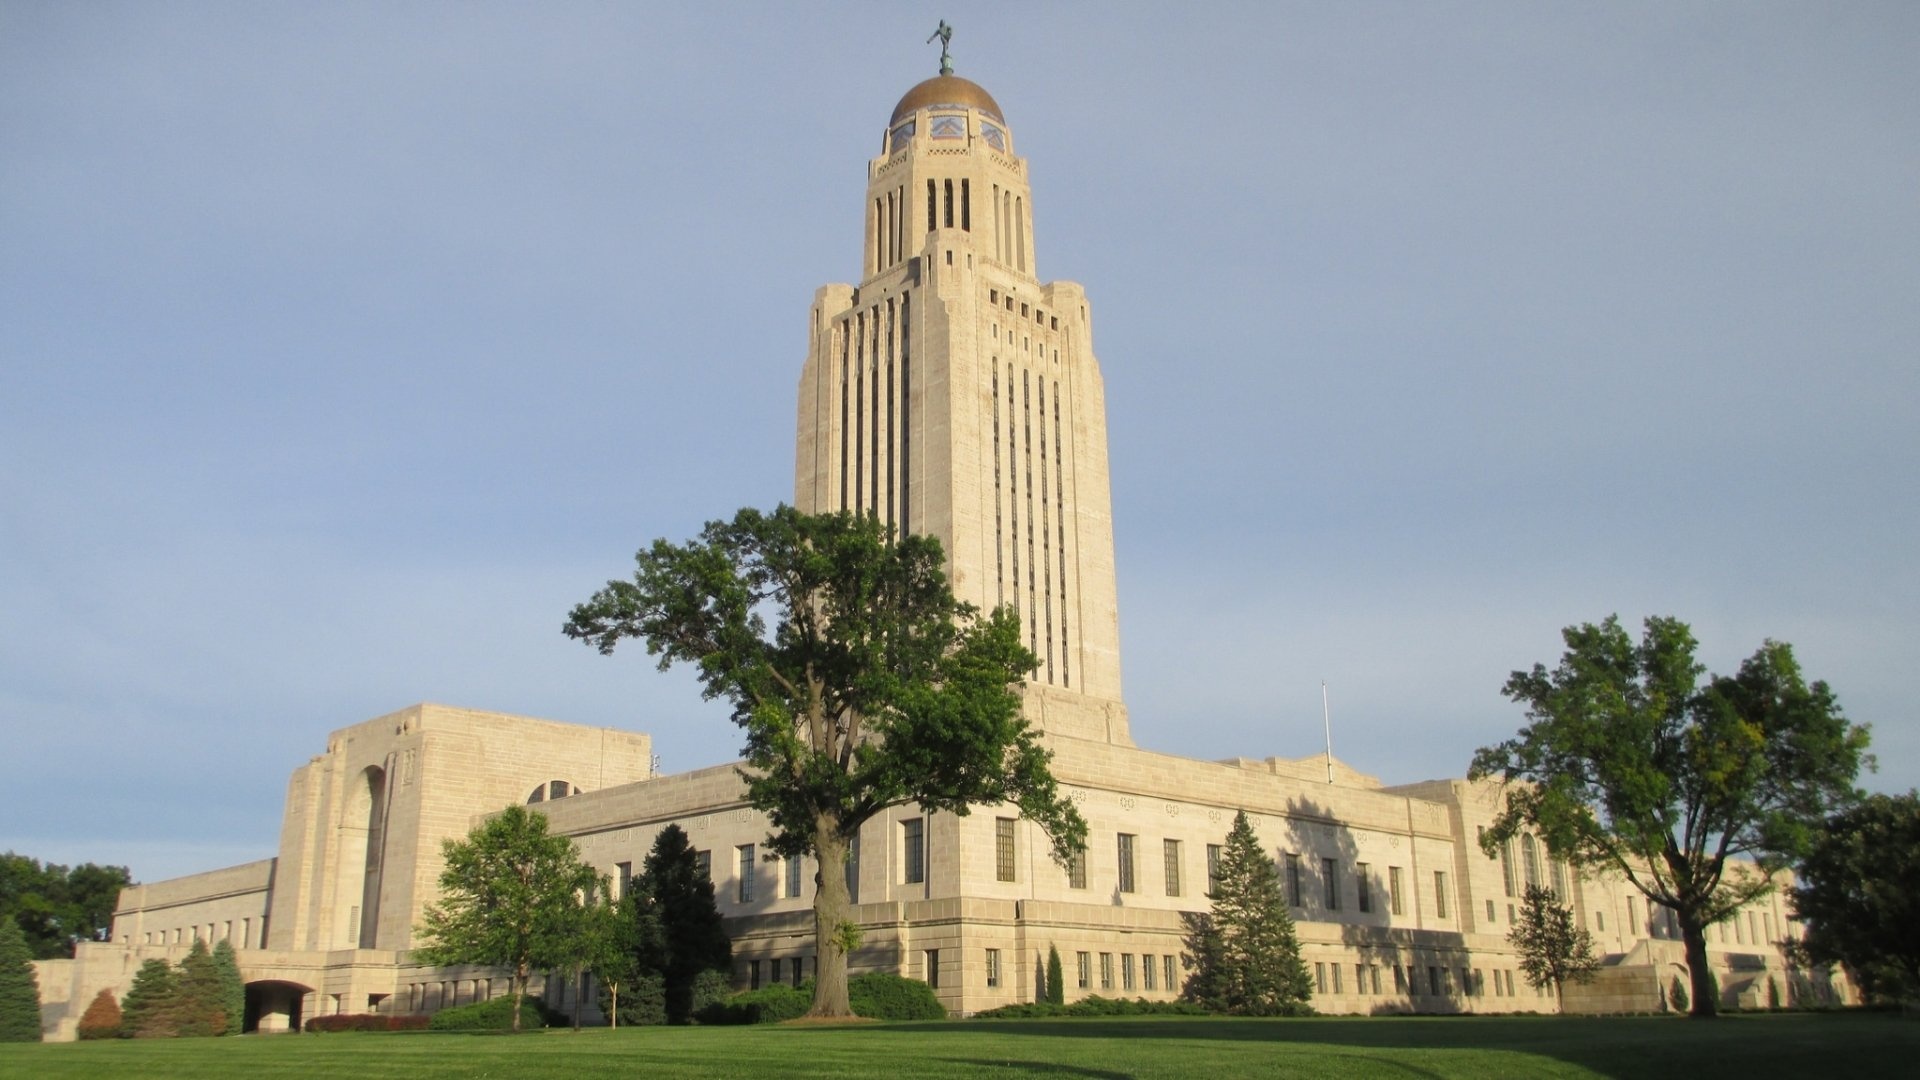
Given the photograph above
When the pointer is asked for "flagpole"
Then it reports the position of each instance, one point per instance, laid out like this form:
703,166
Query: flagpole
1326,716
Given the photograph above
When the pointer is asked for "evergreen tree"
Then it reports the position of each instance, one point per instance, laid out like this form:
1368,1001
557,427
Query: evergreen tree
19,987
1056,981
199,1006
677,926
1244,954
147,1010
233,988
1552,947
102,1019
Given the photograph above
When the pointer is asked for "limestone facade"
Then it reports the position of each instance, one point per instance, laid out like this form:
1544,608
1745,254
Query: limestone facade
951,392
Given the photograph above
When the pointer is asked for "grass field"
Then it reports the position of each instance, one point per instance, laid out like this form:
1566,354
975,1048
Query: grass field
1871,1045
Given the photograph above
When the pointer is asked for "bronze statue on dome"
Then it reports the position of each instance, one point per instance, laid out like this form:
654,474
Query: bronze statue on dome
945,34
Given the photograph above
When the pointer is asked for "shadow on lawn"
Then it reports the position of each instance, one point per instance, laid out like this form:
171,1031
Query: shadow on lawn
1741,1047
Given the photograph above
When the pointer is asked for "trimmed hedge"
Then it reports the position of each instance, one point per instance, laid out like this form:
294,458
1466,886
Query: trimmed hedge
1092,1005
880,996
496,1014
767,1005
365,1022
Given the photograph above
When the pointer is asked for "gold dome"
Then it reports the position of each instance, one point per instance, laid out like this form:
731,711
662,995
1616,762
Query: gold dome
946,90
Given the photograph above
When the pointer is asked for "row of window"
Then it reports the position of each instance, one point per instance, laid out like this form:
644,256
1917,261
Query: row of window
1329,978
238,933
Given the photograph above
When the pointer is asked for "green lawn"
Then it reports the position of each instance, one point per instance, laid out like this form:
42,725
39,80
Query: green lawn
1870,1045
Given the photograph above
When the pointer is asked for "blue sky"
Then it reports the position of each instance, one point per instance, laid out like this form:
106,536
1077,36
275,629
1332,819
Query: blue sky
344,347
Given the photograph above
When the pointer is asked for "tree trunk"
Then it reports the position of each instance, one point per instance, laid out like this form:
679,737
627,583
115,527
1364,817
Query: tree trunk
614,1016
831,908
520,976
1706,997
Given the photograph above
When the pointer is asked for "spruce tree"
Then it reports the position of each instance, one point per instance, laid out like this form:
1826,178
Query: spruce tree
199,1006
1056,981
19,987
147,1010
677,923
233,988
1244,954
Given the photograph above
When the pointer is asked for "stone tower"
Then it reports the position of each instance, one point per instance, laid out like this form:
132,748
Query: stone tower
953,393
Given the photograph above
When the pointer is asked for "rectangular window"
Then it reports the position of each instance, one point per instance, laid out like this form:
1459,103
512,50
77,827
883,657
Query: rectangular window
1365,888
1003,848
1213,869
1293,880
745,895
1126,971
623,879
1106,971
1433,979
1171,851
1173,981
1359,978
1600,921
797,973
1395,901
753,975
1126,862
1320,976
933,968
1086,969
703,864
913,843
778,964
1146,971
1490,916
1399,979
1440,893
793,876
1077,870
1332,884
993,967
1479,984
1506,866
1374,970
1337,988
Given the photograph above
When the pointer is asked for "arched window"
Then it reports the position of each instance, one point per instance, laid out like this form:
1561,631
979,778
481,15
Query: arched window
1530,858
552,789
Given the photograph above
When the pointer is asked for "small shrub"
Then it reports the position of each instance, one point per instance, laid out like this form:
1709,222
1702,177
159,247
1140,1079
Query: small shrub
1677,995
368,1022
710,987
102,1018
1092,1005
495,1014
643,1001
881,996
1773,993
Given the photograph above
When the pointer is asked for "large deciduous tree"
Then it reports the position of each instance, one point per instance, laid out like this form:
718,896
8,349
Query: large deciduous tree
1244,954
1859,893
1552,947
1629,763
860,682
57,907
511,896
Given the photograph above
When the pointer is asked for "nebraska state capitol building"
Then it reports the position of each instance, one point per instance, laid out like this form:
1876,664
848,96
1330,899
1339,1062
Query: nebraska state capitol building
954,393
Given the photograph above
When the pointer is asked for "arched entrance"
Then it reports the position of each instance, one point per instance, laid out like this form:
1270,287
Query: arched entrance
274,1005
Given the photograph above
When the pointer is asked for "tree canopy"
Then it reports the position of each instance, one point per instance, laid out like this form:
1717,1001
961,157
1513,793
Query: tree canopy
859,682
511,896
1859,893
1628,762
57,906
1244,954
1553,948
